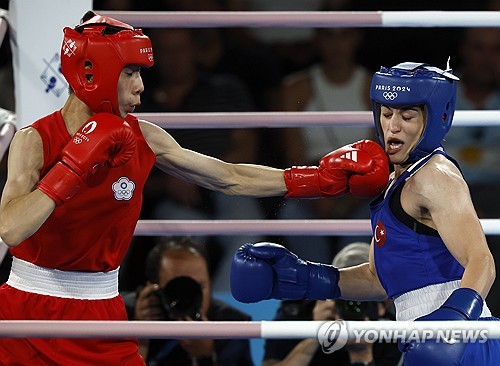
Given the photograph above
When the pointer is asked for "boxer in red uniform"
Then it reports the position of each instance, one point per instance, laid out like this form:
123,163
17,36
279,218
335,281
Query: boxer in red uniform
74,192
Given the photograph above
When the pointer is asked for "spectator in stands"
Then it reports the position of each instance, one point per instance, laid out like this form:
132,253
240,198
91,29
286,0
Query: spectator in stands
292,45
179,288
477,148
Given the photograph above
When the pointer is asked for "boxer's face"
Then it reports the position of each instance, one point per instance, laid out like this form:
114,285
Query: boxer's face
129,88
402,128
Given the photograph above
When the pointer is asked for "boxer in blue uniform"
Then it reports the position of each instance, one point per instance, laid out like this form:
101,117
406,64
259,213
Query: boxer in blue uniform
428,252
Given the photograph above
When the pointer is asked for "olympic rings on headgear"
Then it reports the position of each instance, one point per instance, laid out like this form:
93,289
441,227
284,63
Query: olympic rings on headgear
390,95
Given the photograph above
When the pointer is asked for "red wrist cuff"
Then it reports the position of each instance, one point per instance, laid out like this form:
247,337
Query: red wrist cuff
302,182
60,183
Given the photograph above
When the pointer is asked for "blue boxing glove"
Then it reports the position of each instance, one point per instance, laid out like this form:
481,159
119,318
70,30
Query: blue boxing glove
270,271
463,304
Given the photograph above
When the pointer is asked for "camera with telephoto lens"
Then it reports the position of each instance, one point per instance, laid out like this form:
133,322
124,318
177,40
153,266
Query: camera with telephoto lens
357,310
180,298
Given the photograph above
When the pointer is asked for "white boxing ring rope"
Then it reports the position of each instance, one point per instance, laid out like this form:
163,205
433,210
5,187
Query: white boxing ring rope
345,227
461,118
226,329
314,19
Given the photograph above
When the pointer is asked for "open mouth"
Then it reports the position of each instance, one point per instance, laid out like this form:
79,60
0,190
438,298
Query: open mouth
393,145
131,108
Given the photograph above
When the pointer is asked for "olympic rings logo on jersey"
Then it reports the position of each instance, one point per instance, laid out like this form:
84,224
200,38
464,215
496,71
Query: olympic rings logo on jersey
79,138
390,95
123,189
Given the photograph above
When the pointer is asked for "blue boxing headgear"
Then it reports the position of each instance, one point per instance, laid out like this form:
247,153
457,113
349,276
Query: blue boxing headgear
410,84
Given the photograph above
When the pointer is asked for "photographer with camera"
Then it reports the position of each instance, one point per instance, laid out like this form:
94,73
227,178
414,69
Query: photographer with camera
179,288
291,352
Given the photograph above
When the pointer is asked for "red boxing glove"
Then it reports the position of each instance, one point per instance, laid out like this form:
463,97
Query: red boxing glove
104,139
333,176
372,183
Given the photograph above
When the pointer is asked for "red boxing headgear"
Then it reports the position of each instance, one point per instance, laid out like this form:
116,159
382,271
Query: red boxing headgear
93,56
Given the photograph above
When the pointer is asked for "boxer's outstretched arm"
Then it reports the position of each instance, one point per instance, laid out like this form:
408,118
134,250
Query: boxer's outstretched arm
333,177
209,172
361,282
23,208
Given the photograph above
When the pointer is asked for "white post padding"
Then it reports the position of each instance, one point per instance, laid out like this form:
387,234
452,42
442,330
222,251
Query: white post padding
36,37
290,330
3,24
441,19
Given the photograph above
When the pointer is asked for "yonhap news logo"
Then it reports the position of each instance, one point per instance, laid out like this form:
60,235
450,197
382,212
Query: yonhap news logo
332,336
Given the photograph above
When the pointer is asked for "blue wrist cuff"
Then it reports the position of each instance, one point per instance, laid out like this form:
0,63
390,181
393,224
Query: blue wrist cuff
323,282
467,301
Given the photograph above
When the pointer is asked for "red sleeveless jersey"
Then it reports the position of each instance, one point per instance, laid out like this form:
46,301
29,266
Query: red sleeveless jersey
93,230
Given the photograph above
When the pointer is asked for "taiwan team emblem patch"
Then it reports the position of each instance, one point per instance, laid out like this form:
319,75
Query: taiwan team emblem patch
379,235
123,189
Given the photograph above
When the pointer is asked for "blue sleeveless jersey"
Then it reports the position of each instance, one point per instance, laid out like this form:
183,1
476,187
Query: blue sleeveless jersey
408,255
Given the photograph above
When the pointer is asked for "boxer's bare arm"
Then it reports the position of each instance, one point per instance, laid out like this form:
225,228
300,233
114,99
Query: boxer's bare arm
361,282
23,208
209,172
441,194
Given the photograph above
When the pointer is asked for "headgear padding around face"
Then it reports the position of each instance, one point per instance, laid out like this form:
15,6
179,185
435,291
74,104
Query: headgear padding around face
410,84
93,56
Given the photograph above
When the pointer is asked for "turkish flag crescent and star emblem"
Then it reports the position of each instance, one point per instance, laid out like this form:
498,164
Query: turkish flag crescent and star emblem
380,234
